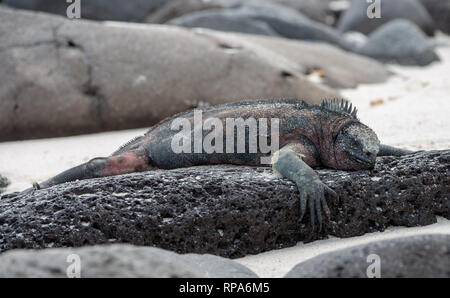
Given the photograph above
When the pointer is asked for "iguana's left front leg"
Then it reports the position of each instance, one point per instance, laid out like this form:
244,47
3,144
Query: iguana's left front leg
288,162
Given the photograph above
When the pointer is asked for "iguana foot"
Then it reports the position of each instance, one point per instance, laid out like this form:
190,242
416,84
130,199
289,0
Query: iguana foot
288,163
312,193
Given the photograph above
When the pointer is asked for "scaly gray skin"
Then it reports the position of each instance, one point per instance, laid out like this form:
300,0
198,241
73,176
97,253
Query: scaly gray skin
329,135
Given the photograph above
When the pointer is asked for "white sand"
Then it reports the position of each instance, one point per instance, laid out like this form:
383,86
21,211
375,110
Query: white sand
414,115
416,105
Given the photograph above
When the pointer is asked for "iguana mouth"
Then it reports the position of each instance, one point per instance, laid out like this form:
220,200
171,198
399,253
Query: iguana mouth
369,161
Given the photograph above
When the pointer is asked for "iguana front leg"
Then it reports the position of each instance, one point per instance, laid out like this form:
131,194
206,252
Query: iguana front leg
288,163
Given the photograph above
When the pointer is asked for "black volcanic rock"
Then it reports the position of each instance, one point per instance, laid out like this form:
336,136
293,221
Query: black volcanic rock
412,257
225,210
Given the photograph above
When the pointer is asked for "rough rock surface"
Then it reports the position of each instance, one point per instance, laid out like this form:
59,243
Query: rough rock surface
355,18
411,257
4,182
118,10
225,210
402,42
62,77
117,260
440,12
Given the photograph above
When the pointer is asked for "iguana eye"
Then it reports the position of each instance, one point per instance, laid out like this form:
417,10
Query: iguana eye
355,143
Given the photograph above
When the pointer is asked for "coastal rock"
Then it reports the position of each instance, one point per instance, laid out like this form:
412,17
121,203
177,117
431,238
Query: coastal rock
178,8
317,10
356,19
284,21
313,9
117,10
62,77
224,20
211,266
230,211
117,260
401,42
440,12
405,257
321,62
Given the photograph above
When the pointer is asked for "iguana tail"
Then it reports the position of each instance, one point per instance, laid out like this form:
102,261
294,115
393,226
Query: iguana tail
386,150
135,161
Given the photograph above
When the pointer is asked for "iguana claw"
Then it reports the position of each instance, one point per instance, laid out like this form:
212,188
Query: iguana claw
313,194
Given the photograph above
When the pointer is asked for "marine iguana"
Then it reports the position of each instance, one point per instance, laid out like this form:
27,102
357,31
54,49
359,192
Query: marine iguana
328,135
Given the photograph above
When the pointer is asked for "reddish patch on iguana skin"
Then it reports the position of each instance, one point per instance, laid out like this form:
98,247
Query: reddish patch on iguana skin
126,163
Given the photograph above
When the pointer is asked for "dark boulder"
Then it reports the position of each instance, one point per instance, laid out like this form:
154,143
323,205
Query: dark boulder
339,68
440,12
62,77
178,8
317,10
117,10
229,211
313,9
224,20
356,19
412,257
284,21
116,260
399,41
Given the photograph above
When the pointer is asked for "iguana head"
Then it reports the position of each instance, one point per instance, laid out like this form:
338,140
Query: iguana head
355,146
